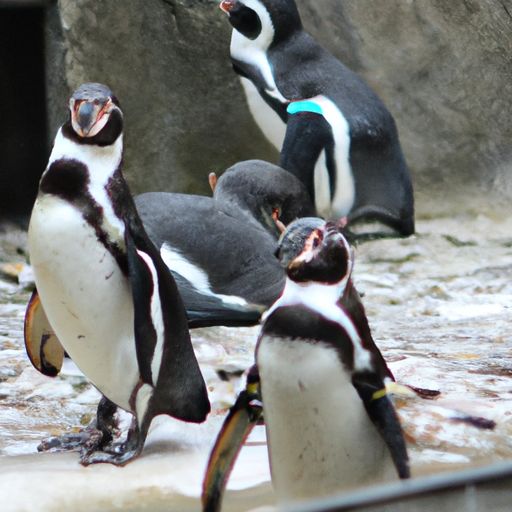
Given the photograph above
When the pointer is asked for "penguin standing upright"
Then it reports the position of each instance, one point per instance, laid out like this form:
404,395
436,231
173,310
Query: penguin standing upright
330,425
101,284
340,139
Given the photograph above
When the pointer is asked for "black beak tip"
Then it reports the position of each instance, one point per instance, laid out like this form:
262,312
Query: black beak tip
85,115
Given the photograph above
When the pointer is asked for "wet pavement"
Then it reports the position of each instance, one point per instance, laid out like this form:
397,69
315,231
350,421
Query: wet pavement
439,307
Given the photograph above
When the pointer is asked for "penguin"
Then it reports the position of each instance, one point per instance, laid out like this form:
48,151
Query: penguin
334,133
102,289
320,387
223,247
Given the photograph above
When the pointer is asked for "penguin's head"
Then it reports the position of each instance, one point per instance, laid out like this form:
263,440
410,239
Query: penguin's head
263,21
326,257
272,196
292,240
95,114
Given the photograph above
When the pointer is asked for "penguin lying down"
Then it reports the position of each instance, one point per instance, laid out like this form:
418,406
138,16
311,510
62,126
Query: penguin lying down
103,293
223,246
320,382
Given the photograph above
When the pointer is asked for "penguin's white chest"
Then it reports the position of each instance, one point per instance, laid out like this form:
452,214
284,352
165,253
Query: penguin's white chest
320,438
86,297
266,118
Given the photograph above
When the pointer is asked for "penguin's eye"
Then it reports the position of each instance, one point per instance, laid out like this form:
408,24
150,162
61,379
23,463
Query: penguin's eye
245,20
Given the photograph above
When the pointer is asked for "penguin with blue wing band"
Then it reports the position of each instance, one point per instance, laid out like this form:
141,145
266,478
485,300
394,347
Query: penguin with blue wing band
105,290
340,139
330,424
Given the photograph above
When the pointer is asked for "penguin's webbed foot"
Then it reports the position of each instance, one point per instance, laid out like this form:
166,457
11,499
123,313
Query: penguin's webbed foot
118,454
98,442
72,441
95,436
118,459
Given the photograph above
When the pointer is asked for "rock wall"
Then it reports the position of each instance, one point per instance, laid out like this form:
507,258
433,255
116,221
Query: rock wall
168,63
443,68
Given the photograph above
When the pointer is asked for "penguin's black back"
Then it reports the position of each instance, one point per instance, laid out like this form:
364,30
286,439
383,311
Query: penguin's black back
204,235
304,69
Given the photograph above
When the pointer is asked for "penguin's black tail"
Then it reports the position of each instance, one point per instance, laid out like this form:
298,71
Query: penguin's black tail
208,310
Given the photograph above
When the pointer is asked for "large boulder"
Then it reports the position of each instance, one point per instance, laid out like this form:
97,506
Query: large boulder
168,63
443,69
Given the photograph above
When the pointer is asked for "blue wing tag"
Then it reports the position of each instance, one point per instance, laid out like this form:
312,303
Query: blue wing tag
304,106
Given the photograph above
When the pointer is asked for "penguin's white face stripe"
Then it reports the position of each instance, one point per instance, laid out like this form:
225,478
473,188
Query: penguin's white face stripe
254,51
156,317
345,193
101,162
323,298
196,276
266,36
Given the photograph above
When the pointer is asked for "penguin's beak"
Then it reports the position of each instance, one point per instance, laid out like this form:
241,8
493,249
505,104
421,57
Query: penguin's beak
89,117
227,5
238,424
271,218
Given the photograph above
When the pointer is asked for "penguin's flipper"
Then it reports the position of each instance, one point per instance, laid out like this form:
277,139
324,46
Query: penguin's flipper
352,304
380,410
307,135
238,424
204,310
162,341
43,347
141,281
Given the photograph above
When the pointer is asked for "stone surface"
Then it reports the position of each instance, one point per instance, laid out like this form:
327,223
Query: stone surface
442,68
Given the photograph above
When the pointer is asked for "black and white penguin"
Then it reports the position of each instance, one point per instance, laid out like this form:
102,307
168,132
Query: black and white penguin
223,247
330,425
333,131
105,291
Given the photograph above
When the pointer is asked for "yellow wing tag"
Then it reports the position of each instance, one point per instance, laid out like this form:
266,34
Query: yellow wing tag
379,394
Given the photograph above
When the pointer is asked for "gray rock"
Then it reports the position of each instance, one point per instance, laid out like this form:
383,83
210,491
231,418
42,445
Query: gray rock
442,68
168,63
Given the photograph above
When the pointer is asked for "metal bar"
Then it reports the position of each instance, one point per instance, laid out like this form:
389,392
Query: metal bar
464,483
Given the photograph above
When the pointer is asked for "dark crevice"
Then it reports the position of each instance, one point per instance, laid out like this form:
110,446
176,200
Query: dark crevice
23,132
506,9
172,5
